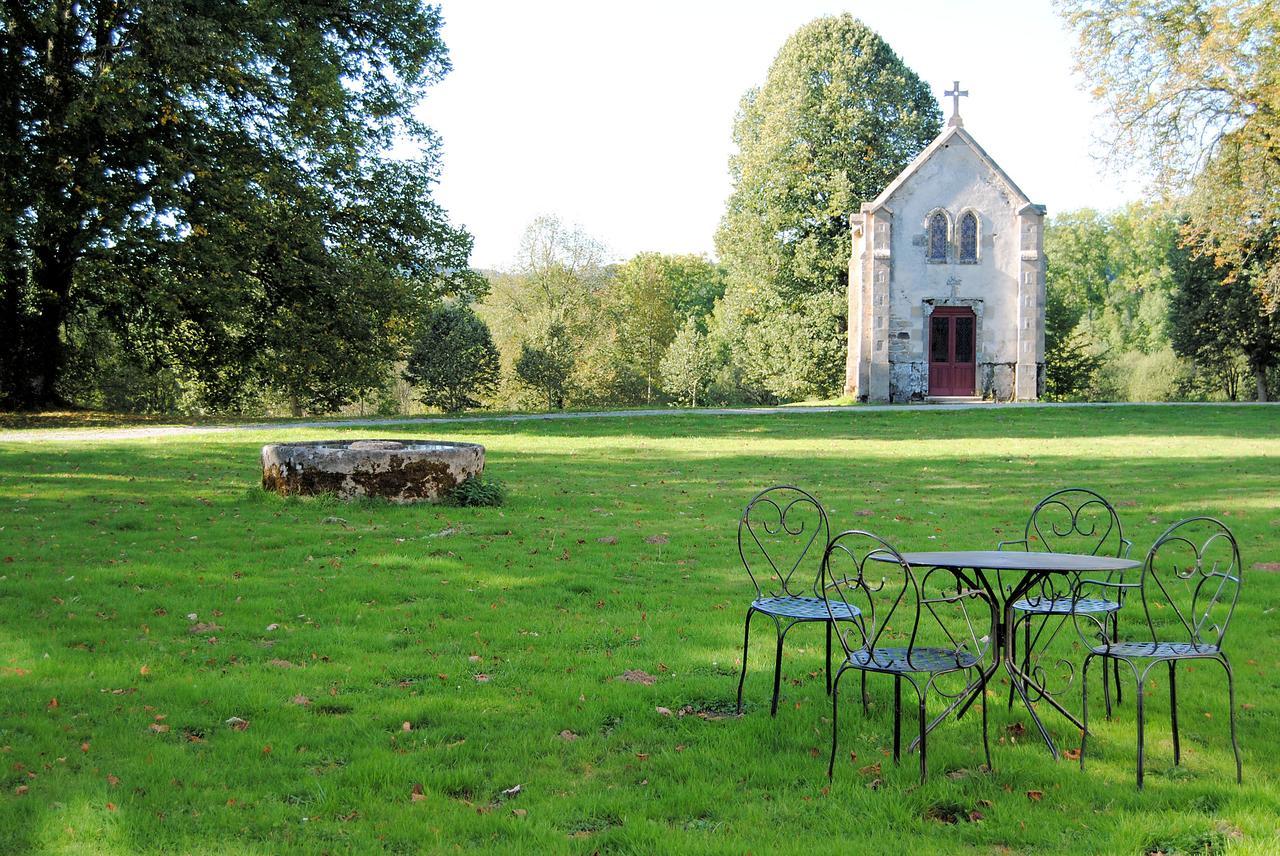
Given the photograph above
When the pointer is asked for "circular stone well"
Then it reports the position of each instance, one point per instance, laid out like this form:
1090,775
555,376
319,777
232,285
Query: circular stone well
399,470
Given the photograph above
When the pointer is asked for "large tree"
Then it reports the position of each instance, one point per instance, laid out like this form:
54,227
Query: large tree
211,182
1193,89
839,115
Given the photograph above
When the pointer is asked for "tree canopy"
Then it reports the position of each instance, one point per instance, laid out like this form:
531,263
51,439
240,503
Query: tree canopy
209,187
838,117
1193,89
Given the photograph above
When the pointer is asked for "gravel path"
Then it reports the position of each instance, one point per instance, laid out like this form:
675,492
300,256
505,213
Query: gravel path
86,435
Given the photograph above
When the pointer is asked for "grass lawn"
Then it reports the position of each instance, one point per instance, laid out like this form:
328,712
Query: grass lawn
395,670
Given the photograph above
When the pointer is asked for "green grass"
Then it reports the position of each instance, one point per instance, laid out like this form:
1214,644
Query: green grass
385,615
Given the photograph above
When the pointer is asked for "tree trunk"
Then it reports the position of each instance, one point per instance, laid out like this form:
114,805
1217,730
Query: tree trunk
35,353
1260,376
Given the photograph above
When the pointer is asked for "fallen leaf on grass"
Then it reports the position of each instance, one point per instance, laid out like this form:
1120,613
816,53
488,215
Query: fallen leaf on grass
406,726
643,756
416,793
475,658
875,784
657,539
111,806
870,769
237,724
204,627
608,539
300,700
21,789
282,664
158,727
519,812
144,670
568,736
665,711
113,780
1071,754
481,677
1035,796
511,792
636,676
272,628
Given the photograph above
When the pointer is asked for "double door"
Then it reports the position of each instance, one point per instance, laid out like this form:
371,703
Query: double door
951,351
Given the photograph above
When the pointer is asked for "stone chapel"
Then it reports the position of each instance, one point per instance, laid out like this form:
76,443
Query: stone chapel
946,281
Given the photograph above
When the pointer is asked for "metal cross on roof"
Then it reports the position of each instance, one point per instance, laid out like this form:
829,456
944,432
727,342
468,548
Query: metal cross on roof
955,95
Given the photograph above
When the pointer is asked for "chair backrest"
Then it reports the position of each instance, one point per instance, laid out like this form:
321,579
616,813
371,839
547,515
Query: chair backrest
1076,520
899,608
1191,582
783,532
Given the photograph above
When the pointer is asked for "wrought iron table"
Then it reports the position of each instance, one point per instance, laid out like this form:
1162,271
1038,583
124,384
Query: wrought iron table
1034,568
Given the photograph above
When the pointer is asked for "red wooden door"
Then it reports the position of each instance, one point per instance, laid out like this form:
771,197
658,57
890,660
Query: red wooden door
951,351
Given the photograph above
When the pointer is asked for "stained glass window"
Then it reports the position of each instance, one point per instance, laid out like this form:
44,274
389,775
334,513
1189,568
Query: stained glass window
938,237
968,237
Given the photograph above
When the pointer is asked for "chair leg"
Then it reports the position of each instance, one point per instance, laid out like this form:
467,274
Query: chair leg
829,657
1106,690
865,710
777,672
1173,711
924,732
897,718
1231,699
1141,723
835,720
1013,657
1115,637
986,746
1084,704
746,637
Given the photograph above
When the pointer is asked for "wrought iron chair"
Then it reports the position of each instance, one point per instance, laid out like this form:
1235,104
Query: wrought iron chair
782,529
928,623
1072,520
1190,584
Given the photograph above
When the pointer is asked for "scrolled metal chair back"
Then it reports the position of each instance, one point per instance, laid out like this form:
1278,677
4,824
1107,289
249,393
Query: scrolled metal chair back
899,608
782,530
1076,520
1191,582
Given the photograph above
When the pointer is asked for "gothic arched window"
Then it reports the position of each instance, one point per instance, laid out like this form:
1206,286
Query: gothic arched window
937,237
968,237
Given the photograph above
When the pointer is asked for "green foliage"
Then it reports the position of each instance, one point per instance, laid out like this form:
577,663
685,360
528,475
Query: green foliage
778,350
1221,324
211,183
838,117
546,366
453,362
1069,366
1117,271
474,492
687,365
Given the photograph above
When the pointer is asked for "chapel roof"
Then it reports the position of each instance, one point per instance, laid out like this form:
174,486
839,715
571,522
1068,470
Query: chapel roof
955,131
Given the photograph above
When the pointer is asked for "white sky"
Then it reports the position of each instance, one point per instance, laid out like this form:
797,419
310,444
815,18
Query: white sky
619,117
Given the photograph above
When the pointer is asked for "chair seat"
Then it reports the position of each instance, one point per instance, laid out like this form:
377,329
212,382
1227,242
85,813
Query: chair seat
804,608
922,660
1156,650
1064,605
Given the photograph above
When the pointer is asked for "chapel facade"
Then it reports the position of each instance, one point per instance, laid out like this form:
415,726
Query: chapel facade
946,282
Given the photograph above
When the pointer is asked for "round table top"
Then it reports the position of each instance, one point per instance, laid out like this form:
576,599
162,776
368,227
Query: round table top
1015,560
